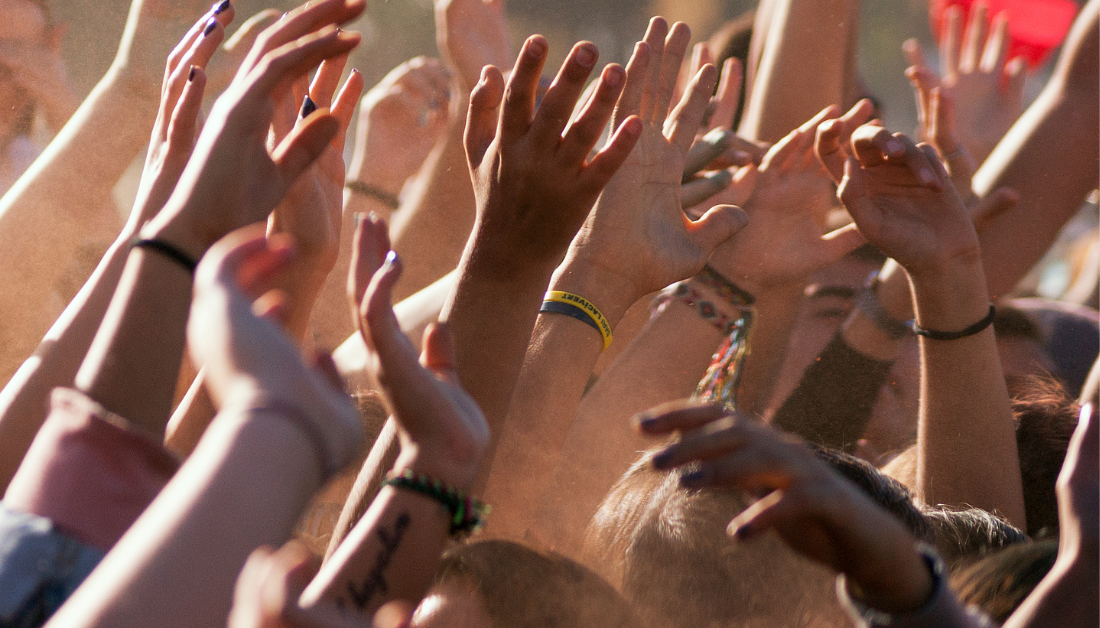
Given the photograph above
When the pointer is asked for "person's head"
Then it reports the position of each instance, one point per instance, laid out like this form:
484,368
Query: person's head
999,583
667,549
500,584
967,535
25,22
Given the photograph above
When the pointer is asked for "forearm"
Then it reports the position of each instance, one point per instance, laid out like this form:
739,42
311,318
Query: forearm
964,400
1050,157
249,480
664,362
190,419
25,399
434,224
803,65
132,365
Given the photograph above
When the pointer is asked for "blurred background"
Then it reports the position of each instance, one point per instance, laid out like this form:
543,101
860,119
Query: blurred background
396,30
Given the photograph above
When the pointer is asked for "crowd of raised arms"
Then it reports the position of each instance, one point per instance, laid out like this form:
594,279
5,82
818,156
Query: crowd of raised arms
692,342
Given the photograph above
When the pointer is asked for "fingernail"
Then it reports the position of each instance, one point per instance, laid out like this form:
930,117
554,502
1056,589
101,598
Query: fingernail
926,176
221,6
646,422
375,218
191,74
718,137
662,459
895,148
695,479
308,107
210,25
613,77
586,56
358,219
536,47
739,532
391,259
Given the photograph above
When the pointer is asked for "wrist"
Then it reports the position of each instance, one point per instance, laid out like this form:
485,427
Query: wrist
950,300
176,231
611,292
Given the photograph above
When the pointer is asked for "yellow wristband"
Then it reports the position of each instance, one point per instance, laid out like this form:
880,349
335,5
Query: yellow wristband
583,304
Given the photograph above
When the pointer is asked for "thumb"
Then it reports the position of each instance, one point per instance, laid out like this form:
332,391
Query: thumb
718,225
439,351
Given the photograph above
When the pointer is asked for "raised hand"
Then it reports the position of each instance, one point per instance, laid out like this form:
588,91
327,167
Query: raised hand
985,87
174,131
638,239
472,34
785,242
249,359
812,508
442,431
312,210
400,120
532,176
233,179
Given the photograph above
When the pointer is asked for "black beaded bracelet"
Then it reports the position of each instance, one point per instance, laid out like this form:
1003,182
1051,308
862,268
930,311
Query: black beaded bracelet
167,250
467,513
955,335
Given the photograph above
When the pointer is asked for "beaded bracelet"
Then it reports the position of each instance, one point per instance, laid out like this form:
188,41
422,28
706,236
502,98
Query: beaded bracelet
467,513
731,292
722,321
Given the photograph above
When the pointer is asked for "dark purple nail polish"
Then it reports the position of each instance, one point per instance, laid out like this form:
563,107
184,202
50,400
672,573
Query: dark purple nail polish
662,459
191,74
308,107
221,6
210,26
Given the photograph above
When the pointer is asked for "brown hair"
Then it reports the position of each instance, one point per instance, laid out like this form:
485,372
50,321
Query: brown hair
521,587
998,584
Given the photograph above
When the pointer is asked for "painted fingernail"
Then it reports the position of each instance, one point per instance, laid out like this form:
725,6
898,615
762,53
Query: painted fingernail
221,6
740,532
894,147
191,74
211,24
586,56
926,176
391,259
662,459
646,422
308,107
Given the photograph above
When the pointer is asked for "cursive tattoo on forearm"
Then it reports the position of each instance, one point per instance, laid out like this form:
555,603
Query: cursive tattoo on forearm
375,582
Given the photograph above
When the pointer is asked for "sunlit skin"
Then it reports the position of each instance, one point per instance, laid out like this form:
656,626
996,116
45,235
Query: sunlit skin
24,22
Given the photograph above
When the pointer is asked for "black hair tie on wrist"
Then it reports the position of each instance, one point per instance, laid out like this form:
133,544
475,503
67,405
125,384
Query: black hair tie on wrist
955,335
167,250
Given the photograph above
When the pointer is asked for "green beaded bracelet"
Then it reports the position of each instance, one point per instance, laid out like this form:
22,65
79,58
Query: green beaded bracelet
467,513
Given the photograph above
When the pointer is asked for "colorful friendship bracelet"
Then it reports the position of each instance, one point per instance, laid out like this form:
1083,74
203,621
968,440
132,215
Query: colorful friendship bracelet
731,292
467,513
554,301
722,321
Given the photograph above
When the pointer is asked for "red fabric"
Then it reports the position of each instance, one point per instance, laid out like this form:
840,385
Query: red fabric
89,471
1035,27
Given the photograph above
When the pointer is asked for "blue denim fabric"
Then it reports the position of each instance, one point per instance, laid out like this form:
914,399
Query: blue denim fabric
39,568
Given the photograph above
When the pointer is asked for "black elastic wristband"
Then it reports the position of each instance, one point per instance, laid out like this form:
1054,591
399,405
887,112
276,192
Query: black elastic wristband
167,250
572,311
955,335
378,194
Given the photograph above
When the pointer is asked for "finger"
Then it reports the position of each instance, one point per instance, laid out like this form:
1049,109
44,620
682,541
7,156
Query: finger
519,95
223,262
837,243
655,39
561,99
935,164
760,517
677,416
245,35
483,113
748,468
323,362
606,163
273,306
343,108
996,49
259,273
706,150
304,145
923,81
684,122
974,38
851,192
630,100
583,133
857,116
700,189
197,55
873,145
828,149
370,243
706,443
914,54
949,41
193,35
942,129
310,18
439,355
286,63
327,80
1016,75
675,47
716,226
182,128
729,95
994,204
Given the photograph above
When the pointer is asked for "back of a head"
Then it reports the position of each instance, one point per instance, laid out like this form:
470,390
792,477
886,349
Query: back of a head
667,549
999,583
1046,417
966,535
520,587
